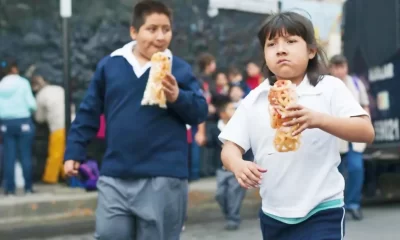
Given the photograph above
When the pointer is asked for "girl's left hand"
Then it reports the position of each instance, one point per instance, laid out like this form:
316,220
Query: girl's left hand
305,117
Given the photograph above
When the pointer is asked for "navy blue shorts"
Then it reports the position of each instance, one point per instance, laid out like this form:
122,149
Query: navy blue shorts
324,225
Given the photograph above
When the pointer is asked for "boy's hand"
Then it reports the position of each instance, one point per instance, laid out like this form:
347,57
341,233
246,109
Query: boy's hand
71,168
170,87
248,174
200,138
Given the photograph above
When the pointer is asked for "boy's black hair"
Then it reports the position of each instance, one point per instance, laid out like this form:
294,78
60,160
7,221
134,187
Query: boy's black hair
204,60
221,102
295,24
234,71
6,65
145,8
232,86
338,60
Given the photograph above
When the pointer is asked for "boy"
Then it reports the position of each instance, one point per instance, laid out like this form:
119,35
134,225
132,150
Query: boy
229,193
142,189
236,79
352,153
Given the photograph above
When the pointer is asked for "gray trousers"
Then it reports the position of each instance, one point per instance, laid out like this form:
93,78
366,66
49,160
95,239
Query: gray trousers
142,209
229,195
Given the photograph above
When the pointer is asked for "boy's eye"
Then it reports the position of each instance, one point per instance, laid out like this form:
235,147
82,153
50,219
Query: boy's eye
292,41
270,44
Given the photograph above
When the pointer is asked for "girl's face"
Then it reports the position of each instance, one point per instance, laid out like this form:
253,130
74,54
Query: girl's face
221,79
287,56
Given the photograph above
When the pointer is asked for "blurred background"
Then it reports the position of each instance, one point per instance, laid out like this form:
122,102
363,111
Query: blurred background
219,39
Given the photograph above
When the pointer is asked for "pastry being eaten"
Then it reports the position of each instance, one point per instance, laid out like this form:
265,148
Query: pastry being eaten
281,95
154,94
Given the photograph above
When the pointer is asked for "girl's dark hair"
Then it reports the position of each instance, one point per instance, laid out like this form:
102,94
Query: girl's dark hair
6,66
295,24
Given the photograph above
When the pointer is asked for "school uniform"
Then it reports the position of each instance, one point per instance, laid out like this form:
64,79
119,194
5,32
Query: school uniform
143,184
229,193
302,191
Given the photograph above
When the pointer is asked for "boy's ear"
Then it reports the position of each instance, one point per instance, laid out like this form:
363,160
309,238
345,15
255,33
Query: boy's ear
133,32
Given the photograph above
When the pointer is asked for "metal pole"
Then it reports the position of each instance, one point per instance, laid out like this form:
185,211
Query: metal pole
279,6
66,73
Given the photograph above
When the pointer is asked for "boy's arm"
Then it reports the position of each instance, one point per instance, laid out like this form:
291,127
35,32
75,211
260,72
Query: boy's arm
87,120
191,106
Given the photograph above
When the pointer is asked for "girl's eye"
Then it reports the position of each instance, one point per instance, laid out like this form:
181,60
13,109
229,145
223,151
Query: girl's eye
292,41
270,44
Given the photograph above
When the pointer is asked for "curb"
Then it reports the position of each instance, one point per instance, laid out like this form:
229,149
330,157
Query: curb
74,214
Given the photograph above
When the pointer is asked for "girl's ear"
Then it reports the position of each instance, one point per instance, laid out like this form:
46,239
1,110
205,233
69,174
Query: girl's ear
311,53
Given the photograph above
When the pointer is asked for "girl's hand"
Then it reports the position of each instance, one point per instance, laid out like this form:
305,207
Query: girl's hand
305,117
248,174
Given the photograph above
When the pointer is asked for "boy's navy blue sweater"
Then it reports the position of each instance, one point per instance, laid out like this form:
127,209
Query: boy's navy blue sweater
142,141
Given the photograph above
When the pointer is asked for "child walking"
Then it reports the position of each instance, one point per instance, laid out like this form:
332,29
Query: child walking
229,193
302,191
143,187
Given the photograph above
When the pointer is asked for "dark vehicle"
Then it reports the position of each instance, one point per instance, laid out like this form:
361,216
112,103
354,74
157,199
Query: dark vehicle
371,40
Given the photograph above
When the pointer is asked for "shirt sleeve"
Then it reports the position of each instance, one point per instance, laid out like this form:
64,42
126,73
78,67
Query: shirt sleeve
237,129
191,106
87,120
343,103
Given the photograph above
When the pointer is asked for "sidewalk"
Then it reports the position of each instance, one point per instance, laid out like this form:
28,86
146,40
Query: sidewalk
58,203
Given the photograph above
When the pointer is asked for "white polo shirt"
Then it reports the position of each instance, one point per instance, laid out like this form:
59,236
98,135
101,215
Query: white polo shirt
296,182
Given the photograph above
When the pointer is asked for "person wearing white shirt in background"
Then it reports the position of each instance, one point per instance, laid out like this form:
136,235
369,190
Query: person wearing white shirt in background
352,152
302,190
51,110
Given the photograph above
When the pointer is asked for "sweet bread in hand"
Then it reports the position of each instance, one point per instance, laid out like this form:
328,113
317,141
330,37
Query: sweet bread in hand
281,95
154,94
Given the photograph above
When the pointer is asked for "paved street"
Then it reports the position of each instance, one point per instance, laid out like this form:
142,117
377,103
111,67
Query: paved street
381,223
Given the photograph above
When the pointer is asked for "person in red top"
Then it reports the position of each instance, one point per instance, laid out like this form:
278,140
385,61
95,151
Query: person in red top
254,75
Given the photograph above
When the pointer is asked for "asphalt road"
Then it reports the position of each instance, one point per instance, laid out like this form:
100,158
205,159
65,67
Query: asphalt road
380,223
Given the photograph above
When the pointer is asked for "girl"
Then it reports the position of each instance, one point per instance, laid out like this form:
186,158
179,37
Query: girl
222,84
16,106
254,77
302,191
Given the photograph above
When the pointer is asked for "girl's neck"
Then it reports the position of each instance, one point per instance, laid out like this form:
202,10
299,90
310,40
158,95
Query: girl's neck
295,80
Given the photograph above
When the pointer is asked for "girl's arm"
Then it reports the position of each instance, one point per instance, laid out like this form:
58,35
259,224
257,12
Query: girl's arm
353,129
348,120
231,155
236,139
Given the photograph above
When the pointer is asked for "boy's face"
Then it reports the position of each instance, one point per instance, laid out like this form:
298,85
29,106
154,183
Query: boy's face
211,67
340,71
154,35
228,113
236,93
